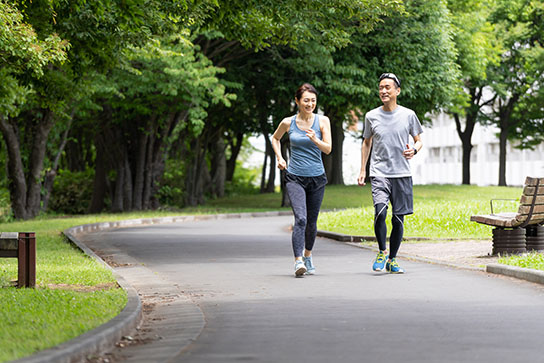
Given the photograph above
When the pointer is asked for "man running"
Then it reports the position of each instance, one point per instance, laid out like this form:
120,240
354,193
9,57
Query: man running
387,131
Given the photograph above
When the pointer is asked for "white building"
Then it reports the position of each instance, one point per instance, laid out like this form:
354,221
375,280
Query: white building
440,159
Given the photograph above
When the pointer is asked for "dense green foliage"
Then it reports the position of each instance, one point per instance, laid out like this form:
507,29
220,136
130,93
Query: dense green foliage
129,89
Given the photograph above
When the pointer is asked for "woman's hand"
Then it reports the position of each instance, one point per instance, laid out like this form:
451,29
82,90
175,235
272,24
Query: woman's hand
311,134
282,164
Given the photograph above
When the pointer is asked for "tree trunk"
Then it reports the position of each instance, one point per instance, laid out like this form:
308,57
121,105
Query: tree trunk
195,164
234,152
100,175
285,201
52,173
117,200
37,157
219,167
160,148
139,177
271,184
263,171
503,137
467,150
127,185
25,193
337,132
148,174
268,184
506,124
16,176
118,192
333,161
466,141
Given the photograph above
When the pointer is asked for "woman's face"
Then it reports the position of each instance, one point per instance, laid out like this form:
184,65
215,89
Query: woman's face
307,102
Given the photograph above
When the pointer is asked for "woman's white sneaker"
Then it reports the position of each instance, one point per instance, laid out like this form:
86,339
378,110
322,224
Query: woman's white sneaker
310,268
300,269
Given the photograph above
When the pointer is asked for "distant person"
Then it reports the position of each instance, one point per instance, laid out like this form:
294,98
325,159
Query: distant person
305,179
387,131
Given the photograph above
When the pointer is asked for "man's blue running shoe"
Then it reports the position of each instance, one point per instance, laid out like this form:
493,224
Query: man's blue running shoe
393,267
379,264
300,269
310,268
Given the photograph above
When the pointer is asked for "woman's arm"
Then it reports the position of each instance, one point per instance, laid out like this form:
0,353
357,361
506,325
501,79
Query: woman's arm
283,127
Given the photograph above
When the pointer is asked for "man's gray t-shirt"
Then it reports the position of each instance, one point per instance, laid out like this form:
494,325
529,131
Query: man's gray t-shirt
390,133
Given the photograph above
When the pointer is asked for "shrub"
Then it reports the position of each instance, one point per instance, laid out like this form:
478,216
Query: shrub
244,181
6,214
72,192
172,184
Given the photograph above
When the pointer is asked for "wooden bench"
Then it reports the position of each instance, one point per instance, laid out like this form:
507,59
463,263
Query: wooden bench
22,246
521,231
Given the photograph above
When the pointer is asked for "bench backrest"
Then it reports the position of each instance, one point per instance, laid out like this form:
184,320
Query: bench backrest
531,207
9,244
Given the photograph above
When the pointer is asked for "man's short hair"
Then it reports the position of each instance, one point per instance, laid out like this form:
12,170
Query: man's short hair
391,76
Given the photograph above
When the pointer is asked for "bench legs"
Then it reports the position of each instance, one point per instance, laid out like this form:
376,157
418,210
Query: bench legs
508,241
535,237
518,240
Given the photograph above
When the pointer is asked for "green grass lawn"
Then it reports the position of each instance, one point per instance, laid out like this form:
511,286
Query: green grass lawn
440,211
75,293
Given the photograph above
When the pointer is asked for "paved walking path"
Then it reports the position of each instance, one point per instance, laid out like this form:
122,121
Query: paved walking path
223,291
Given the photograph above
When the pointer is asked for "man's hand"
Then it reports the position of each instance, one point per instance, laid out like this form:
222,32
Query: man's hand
409,152
361,178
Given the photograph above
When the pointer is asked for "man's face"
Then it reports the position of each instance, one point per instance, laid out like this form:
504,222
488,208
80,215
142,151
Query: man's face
388,90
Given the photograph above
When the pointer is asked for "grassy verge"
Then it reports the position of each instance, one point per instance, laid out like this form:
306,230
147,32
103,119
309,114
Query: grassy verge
532,260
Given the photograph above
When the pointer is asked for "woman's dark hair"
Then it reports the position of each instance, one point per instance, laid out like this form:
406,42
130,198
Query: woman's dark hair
305,87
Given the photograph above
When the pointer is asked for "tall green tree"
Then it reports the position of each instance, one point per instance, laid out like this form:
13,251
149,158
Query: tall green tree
477,49
25,60
242,27
96,32
159,95
518,78
401,44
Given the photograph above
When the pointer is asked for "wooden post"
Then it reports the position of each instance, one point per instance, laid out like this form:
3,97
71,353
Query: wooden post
27,259
21,245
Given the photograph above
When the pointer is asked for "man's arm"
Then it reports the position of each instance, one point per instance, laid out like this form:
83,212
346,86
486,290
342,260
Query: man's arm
365,152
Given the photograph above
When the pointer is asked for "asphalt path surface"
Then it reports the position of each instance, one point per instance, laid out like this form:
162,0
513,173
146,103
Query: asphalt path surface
238,274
